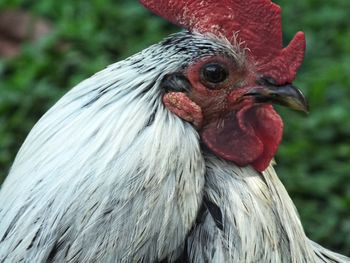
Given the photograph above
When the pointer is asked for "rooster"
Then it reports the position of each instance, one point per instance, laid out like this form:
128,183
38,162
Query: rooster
167,156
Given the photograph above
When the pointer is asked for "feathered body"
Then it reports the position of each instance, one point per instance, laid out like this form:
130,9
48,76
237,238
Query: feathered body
110,175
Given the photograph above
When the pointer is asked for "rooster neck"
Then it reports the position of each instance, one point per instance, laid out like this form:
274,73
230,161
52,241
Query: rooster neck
249,217
106,174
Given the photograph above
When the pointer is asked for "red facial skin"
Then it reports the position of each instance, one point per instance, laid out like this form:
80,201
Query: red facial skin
230,124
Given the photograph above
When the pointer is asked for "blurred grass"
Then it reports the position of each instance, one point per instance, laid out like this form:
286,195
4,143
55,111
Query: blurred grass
88,35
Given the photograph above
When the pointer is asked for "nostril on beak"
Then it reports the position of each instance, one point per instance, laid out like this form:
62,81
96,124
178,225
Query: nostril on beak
287,95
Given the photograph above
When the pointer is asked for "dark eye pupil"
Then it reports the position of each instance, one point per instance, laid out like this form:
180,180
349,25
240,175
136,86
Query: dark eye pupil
214,73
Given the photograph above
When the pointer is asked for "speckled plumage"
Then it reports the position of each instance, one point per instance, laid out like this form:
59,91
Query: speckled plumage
110,175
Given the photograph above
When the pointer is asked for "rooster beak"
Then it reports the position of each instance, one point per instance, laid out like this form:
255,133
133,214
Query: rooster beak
287,95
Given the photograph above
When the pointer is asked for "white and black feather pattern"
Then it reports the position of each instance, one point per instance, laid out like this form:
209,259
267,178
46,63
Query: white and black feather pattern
106,169
110,175
259,222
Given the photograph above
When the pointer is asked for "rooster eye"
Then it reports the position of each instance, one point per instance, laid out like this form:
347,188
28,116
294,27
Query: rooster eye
214,73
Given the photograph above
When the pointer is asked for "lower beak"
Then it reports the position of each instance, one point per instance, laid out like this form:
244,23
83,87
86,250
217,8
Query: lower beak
287,95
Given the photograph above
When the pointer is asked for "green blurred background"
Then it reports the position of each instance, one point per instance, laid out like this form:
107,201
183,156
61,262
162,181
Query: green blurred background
86,36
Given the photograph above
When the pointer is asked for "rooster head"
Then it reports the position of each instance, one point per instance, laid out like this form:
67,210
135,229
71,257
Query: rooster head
228,96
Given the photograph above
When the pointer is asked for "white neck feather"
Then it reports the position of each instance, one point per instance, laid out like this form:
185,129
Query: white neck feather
259,220
94,175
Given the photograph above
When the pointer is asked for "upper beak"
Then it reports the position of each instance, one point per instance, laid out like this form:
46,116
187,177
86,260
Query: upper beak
287,95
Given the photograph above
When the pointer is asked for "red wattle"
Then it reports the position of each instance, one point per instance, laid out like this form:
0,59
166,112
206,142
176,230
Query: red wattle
268,126
251,136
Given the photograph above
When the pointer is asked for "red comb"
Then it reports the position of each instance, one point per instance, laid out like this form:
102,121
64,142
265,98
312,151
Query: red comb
257,22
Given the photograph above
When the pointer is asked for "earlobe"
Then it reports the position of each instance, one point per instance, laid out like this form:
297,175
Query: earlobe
182,106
